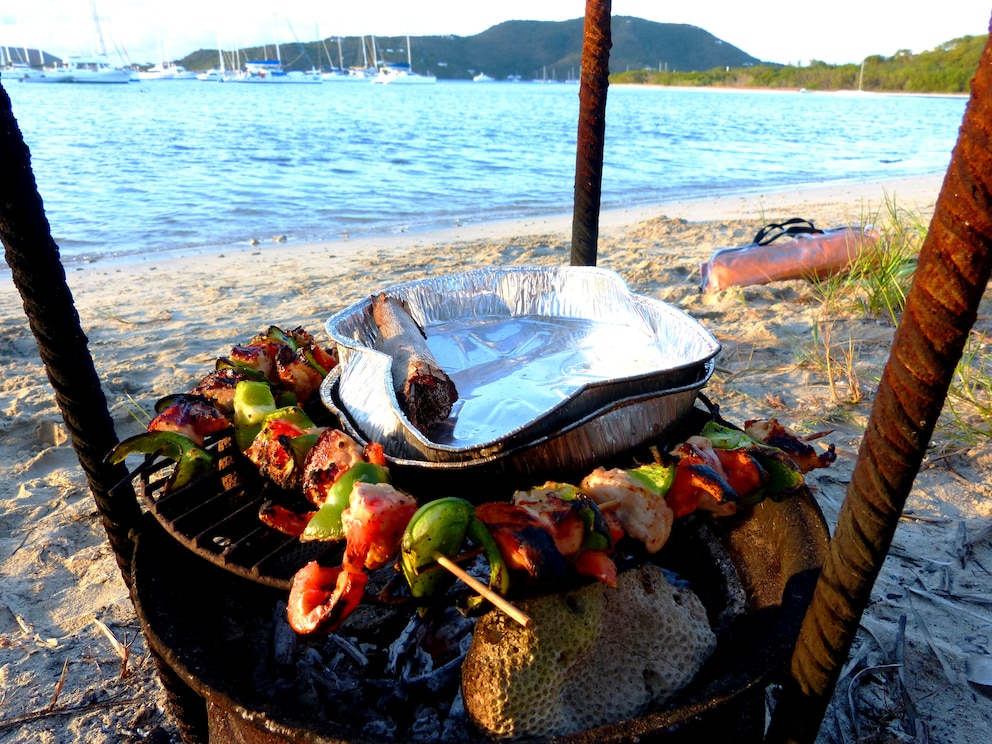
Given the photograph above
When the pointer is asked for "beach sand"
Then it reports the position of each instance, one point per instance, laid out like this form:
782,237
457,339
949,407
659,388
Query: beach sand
156,324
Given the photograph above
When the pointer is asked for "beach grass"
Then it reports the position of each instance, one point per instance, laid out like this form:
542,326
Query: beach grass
874,291
876,284
967,415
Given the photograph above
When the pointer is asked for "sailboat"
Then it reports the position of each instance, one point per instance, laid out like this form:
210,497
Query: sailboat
401,73
12,70
165,70
95,68
219,74
270,71
351,75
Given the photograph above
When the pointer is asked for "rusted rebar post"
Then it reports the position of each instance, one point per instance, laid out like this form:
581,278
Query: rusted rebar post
592,128
952,275
33,258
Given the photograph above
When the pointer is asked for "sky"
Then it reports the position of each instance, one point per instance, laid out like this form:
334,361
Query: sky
784,31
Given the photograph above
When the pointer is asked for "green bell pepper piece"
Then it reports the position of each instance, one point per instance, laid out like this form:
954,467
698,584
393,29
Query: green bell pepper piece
253,401
723,437
499,572
786,479
293,414
192,461
441,527
326,523
438,526
278,335
596,534
311,359
657,477
249,373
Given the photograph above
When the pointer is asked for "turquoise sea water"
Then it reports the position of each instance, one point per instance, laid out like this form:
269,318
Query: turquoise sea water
159,166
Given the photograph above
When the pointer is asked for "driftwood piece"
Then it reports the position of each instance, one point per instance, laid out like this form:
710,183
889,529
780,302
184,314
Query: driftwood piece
425,392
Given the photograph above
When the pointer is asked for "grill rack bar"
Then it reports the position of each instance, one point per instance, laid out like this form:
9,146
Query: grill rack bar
216,517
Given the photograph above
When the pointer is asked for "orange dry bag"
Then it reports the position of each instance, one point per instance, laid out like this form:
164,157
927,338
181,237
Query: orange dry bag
809,253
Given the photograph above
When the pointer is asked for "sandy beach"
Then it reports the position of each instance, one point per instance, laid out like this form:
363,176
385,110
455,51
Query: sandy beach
156,324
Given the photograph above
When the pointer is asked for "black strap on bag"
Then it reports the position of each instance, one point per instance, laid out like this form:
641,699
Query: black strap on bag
776,230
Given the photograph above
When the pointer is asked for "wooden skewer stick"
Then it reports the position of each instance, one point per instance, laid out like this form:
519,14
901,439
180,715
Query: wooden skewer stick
518,615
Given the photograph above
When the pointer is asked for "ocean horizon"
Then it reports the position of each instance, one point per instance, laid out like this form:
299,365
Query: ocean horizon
157,167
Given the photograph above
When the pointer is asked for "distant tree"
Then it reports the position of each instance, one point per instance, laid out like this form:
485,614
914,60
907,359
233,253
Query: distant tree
947,68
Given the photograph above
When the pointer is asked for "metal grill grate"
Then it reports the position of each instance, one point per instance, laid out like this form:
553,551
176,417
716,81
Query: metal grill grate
217,517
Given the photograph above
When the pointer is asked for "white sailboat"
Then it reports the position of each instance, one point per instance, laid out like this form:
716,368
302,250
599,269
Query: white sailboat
219,74
340,74
95,68
165,70
401,73
10,69
47,75
270,71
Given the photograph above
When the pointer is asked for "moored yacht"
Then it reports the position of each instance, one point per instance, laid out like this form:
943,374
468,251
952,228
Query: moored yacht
271,71
166,71
47,75
95,69
399,73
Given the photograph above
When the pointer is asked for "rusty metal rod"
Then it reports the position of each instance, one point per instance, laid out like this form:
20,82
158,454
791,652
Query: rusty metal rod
594,81
952,274
36,267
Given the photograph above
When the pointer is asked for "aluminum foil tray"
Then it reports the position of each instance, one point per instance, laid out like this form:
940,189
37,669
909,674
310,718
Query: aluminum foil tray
616,428
531,351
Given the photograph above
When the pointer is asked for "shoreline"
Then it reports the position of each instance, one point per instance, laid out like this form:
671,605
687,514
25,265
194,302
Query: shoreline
849,201
816,91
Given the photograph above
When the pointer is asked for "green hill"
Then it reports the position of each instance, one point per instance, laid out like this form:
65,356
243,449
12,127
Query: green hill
946,69
530,49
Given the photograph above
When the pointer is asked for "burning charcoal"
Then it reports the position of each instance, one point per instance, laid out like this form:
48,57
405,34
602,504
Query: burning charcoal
306,691
407,645
283,638
380,729
351,648
426,724
441,677
454,725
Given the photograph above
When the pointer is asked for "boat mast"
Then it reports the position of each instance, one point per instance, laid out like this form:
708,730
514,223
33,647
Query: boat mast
409,56
99,31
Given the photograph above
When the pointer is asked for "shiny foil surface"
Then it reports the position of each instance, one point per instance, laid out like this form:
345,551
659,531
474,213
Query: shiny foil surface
532,352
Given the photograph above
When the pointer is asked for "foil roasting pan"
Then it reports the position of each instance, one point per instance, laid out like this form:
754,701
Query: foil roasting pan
532,351
569,452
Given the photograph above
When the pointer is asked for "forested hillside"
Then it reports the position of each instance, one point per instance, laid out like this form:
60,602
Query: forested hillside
946,69
528,49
